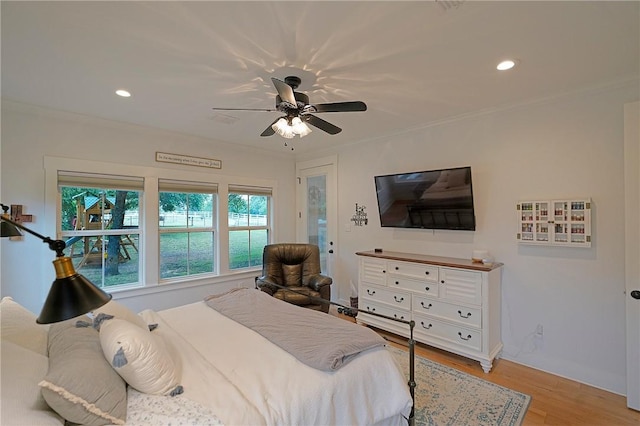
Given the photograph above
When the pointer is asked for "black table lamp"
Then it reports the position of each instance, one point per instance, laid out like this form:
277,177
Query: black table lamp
71,294
7,229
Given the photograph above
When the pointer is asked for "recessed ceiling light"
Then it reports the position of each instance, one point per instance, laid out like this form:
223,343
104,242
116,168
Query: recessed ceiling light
123,93
506,65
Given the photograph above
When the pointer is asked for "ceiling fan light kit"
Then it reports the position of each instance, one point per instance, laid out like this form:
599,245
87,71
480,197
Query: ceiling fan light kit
283,128
290,127
298,112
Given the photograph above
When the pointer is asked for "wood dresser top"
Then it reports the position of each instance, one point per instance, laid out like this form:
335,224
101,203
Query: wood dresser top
432,260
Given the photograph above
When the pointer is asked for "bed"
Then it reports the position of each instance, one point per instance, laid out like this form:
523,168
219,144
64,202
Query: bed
190,365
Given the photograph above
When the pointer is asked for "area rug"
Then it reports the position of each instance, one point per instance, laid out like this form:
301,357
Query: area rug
448,397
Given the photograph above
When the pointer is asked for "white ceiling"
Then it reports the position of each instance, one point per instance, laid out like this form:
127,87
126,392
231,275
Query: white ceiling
413,63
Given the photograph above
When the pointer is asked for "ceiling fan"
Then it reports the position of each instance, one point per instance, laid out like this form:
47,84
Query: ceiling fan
298,112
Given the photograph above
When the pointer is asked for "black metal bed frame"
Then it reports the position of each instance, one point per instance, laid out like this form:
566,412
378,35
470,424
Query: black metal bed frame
352,312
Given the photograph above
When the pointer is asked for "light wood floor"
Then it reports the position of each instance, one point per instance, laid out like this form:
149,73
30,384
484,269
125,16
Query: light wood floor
554,400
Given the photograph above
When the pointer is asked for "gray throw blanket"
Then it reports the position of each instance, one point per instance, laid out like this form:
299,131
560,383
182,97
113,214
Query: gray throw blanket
317,339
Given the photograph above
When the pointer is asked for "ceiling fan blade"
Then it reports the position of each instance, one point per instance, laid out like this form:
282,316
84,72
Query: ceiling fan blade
269,130
340,107
244,109
321,124
285,91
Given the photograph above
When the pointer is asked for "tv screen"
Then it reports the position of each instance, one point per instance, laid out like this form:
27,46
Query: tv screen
434,199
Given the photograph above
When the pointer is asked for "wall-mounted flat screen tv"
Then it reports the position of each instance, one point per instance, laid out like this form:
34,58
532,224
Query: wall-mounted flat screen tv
433,199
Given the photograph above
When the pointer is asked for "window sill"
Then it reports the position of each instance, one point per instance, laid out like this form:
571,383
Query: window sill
177,284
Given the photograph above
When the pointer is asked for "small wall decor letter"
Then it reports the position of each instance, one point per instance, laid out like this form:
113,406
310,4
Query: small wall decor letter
17,216
360,217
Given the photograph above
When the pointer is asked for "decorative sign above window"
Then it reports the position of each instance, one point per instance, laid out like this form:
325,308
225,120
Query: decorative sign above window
188,160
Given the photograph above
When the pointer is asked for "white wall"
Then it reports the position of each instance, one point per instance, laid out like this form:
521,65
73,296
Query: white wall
30,133
565,147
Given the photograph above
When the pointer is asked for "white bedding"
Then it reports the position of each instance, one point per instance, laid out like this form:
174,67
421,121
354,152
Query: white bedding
246,380
156,410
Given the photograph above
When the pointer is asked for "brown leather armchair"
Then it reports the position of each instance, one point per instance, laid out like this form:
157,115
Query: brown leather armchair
297,267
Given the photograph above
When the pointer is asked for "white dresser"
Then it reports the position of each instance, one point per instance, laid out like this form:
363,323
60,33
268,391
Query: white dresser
455,303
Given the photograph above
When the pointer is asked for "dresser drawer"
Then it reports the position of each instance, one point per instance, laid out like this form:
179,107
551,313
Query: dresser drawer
414,270
389,296
422,287
427,327
470,317
382,309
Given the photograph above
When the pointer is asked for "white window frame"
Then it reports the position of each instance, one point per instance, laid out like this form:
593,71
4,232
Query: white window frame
107,182
185,187
149,275
252,190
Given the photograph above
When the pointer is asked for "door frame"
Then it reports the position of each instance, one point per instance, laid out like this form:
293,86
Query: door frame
328,165
632,248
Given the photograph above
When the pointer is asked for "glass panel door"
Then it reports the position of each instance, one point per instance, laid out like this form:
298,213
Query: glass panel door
317,215
317,208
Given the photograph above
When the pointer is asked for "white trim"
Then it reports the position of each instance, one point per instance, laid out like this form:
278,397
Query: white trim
149,275
326,166
632,248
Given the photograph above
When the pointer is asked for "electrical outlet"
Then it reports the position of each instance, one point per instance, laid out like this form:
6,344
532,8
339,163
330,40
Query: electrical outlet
539,330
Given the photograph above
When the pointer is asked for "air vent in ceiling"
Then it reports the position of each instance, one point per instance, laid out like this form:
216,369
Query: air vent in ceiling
449,4
224,118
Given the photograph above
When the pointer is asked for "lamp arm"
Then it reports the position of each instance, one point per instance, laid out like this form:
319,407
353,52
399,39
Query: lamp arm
71,294
56,245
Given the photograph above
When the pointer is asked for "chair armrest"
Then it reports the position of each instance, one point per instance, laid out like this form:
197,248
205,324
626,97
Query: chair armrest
266,284
316,282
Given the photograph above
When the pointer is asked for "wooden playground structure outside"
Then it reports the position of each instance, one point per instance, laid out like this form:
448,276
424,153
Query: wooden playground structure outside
92,215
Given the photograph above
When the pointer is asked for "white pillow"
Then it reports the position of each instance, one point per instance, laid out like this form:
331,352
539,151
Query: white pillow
19,326
118,310
140,357
22,402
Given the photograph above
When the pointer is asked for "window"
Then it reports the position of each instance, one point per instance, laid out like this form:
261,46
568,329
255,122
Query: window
99,221
130,228
187,220
249,214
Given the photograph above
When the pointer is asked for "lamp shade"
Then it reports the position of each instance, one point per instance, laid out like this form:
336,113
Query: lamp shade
283,128
8,230
70,295
299,127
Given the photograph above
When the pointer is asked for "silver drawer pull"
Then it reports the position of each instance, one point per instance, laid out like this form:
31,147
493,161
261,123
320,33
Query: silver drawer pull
460,335
462,316
400,300
370,292
426,327
427,306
